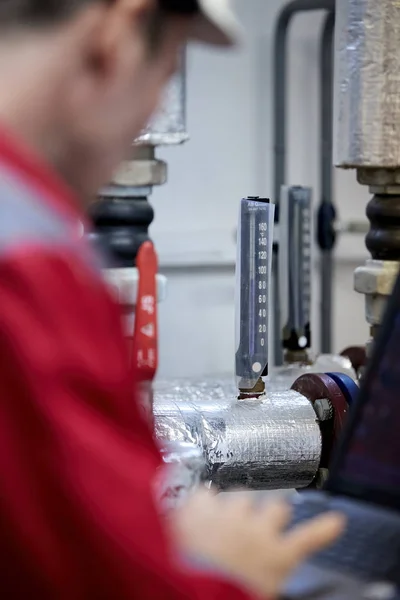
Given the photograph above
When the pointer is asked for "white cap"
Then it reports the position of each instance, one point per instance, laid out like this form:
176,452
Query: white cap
216,24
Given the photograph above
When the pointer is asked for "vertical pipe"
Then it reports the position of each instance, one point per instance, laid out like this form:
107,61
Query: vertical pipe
280,82
168,126
279,123
326,151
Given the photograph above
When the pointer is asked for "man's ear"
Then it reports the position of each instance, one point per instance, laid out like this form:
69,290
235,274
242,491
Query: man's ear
103,31
124,21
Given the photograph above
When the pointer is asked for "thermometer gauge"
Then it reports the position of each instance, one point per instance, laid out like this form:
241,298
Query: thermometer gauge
295,259
253,275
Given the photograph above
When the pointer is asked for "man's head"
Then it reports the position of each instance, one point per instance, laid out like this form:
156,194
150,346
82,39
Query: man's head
80,78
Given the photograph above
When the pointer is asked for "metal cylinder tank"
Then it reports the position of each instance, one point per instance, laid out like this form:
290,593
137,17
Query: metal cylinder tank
367,86
270,443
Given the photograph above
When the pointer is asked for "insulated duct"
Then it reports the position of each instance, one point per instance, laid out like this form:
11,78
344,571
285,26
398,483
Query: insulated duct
270,443
367,102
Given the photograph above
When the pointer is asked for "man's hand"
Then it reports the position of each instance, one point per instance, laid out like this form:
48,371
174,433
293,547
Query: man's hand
250,542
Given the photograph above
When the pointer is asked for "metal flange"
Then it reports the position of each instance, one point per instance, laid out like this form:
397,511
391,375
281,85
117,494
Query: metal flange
316,387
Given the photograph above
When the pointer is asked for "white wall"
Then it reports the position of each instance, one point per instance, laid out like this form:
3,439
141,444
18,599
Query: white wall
230,156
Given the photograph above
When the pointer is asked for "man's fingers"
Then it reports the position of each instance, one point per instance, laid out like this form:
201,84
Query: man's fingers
276,515
312,536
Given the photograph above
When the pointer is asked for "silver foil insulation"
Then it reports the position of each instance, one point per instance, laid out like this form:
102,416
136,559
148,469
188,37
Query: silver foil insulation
265,444
367,83
168,127
182,473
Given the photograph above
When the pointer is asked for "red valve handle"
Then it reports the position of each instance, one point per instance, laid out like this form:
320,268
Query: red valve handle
145,335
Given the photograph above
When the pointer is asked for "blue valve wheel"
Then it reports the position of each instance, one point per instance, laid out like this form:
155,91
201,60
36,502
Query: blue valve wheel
347,386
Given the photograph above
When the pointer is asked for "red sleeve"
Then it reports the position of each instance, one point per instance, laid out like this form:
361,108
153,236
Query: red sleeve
77,518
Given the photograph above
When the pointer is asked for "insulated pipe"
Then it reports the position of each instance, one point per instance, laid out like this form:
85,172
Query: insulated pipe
279,120
180,475
270,443
367,134
168,127
367,91
123,214
326,166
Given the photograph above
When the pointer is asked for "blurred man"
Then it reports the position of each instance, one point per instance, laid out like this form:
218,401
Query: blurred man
79,79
